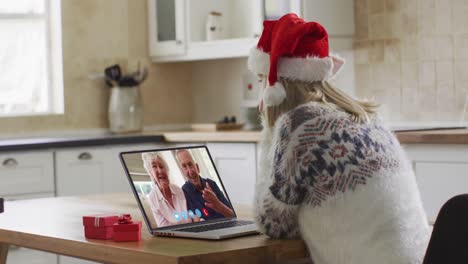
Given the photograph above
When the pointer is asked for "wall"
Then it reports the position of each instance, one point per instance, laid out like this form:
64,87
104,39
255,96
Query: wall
96,34
217,89
217,84
412,56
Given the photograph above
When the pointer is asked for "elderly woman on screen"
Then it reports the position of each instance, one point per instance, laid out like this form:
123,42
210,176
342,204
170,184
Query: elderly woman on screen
167,200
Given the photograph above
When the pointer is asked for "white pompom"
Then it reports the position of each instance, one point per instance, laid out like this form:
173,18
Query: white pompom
274,95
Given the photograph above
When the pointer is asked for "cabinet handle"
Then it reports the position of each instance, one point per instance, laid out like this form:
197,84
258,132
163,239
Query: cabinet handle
179,42
85,156
10,162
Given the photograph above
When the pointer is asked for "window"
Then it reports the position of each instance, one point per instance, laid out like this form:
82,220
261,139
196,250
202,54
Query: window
31,79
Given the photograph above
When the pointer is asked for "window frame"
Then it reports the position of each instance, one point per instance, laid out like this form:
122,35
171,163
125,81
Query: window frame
53,38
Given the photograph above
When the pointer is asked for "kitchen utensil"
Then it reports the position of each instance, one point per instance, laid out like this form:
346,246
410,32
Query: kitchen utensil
128,81
141,74
113,72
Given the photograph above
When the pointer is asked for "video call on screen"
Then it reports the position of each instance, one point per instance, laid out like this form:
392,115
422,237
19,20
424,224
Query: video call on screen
177,186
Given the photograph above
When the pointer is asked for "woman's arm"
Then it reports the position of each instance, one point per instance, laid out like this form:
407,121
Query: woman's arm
275,218
279,194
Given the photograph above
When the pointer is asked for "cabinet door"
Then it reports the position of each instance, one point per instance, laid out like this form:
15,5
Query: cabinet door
441,173
166,27
438,182
79,171
23,173
236,165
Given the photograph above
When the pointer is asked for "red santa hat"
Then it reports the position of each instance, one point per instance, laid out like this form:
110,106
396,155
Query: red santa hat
293,49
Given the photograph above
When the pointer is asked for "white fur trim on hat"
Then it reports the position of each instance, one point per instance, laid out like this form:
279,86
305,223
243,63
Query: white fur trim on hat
274,95
309,69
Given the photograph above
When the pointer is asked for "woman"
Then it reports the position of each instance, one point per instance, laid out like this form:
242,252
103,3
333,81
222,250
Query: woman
167,200
331,172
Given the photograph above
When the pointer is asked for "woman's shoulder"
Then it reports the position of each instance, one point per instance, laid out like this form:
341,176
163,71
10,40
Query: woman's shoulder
307,113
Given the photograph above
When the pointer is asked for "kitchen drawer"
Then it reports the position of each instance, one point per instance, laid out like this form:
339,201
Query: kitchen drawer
438,182
23,173
79,171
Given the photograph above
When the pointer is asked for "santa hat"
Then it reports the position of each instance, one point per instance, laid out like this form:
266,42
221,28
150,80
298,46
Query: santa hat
293,49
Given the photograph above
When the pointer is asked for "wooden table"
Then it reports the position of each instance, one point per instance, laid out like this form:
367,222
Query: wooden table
55,225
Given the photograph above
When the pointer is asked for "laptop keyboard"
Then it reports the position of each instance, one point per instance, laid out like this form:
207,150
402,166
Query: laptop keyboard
204,228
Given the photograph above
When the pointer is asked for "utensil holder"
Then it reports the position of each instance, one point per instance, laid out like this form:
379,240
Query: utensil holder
125,110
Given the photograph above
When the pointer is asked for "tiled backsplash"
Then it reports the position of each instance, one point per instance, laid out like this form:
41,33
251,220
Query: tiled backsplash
412,57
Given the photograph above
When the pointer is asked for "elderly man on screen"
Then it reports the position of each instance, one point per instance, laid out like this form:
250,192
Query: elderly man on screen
202,192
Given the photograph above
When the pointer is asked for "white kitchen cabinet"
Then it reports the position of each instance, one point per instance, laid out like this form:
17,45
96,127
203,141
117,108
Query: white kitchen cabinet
80,171
27,175
93,170
167,27
441,172
26,172
177,28
237,165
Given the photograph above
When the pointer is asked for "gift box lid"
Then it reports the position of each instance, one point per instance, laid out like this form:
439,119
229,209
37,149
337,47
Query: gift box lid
125,224
100,220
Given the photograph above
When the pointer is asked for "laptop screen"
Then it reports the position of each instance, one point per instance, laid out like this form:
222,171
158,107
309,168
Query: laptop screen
177,186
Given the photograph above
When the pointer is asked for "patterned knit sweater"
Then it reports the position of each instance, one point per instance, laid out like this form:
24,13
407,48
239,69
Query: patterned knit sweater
345,187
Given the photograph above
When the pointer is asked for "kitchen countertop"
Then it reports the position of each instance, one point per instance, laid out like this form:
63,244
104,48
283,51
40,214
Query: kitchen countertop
218,136
451,136
18,144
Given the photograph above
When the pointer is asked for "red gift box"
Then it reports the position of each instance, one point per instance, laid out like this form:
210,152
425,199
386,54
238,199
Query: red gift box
127,230
99,226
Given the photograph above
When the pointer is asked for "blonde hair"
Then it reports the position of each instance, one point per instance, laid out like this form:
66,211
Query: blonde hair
299,92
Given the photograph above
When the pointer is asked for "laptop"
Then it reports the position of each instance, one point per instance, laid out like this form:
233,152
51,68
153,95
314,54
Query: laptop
180,194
